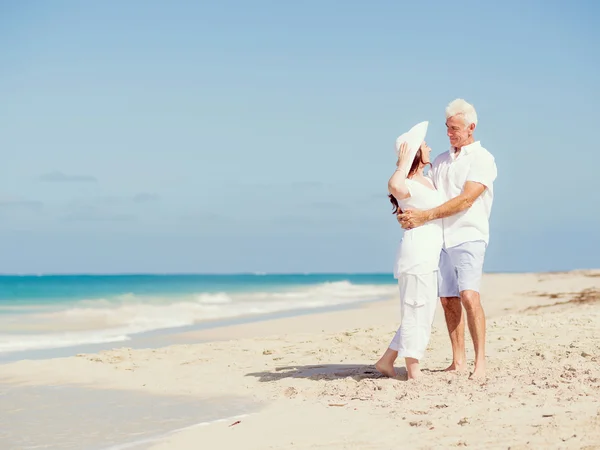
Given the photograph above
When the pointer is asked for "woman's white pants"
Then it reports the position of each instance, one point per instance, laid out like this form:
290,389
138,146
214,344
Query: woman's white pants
418,301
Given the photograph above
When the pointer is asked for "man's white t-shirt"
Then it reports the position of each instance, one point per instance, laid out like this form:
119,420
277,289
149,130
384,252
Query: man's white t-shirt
449,173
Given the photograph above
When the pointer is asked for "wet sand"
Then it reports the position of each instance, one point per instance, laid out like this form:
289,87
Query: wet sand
72,417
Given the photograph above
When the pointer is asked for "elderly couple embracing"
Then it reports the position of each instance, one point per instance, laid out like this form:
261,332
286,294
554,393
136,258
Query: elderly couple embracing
445,215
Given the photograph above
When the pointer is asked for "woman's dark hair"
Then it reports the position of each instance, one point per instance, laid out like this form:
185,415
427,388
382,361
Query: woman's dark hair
413,169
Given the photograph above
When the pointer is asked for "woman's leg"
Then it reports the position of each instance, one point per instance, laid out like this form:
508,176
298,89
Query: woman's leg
419,302
385,365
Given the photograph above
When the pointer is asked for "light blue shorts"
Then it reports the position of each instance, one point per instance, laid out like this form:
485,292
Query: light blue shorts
461,268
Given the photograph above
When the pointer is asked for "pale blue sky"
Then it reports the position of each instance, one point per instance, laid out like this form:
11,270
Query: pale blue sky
154,136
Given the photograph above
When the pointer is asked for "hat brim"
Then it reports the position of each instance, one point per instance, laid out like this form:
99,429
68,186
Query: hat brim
414,138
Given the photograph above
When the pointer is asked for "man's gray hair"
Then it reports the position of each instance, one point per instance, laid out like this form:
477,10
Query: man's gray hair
462,108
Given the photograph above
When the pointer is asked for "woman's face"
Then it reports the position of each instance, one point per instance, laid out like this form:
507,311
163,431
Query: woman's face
425,153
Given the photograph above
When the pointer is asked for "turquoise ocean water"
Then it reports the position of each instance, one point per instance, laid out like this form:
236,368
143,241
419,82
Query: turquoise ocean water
57,311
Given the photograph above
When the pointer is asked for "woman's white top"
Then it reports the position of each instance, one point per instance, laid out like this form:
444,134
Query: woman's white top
420,248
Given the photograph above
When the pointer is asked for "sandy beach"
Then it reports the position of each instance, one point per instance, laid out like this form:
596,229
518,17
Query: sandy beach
314,385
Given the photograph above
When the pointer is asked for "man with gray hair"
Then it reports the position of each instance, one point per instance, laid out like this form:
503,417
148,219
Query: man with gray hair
464,175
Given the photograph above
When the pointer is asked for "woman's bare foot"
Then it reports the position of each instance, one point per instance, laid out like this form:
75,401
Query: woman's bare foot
415,374
385,365
386,369
412,368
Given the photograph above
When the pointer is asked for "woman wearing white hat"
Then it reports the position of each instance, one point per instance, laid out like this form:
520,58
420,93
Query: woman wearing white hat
416,266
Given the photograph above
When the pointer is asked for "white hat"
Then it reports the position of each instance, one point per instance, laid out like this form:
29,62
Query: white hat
414,137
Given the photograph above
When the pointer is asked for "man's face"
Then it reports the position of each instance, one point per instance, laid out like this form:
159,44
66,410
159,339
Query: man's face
458,132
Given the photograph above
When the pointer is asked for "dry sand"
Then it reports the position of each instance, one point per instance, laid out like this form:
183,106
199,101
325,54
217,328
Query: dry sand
314,374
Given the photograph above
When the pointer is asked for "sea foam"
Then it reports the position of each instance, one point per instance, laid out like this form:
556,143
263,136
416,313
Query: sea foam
117,319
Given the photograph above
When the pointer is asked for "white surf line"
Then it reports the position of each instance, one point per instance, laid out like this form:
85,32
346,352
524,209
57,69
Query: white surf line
178,430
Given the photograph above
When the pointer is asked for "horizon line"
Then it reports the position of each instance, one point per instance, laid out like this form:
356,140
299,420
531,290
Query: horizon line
254,273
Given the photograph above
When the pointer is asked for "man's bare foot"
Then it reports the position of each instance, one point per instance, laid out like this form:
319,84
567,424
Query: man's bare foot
478,373
456,367
386,368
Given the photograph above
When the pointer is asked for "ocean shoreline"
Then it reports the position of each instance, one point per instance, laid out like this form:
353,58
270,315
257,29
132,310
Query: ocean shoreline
95,312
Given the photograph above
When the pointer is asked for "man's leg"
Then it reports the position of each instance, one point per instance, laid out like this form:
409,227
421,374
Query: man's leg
476,322
456,329
469,264
449,294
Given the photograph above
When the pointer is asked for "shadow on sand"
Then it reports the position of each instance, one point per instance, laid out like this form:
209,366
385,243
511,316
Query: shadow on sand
326,372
